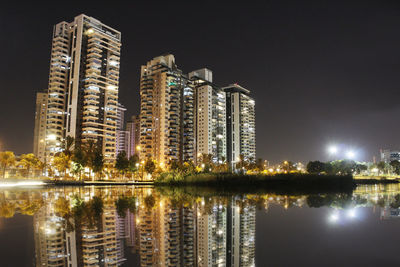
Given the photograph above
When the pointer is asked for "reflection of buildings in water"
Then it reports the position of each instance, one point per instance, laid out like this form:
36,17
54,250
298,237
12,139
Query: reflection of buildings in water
193,235
210,232
49,238
103,243
97,245
390,213
166,235
211,236
241,233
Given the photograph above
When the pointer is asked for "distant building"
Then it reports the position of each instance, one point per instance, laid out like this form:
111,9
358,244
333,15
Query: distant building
390,155
241,124
133,128
83,85
39,136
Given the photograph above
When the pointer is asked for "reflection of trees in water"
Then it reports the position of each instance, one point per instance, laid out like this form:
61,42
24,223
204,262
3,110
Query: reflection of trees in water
124,203
71,204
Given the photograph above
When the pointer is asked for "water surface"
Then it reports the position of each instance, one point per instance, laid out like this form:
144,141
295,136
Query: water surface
131,226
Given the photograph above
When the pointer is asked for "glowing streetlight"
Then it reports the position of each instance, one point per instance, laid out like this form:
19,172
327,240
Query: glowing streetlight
350,154
332,150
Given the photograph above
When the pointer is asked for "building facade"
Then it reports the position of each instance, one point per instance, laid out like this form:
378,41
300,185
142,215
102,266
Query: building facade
388,155
39,136
83,85
133,128
210,116
166,112
241,132
122,140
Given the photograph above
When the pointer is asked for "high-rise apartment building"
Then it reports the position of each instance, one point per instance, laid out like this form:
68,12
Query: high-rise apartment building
166,112
39,136
133,128
122,140
83,85
241,132
210,116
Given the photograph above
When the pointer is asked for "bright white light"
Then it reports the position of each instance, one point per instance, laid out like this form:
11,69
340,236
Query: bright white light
333,218
113,63
111,87
350,154
332,150
351,213
33,183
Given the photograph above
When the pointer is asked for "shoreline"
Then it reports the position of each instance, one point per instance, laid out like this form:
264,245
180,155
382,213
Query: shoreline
279,182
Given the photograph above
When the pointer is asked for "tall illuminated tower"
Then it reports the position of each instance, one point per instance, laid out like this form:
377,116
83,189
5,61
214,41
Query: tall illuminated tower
39,136
83,85
241,124
210,118
166,112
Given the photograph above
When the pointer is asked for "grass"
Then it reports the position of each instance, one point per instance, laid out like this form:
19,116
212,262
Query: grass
280,183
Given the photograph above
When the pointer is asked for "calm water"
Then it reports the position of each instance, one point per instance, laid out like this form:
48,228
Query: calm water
127,226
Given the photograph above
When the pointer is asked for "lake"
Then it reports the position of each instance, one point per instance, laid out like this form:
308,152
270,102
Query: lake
145,226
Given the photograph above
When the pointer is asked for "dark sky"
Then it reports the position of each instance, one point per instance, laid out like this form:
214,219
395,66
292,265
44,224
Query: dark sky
321,71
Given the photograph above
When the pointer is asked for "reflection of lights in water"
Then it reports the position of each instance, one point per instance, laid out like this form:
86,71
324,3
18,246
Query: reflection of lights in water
333,218
26,183
351,213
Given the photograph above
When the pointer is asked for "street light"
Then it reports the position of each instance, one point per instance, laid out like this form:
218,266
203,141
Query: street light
332,150
350,154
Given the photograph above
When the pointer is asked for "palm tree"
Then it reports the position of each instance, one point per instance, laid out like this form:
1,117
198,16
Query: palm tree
98,162
7,159
68,145
242,164
90,150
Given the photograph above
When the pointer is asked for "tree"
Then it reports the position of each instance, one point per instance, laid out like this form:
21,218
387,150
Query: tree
7,159
149,166
381,166
343,167
62,163
29,161
242,164
132,162
288,166
80,161
396,166
361,167
91,149
260,164
188,167
98,162
122,162
174,165
315,167
41,166
68,145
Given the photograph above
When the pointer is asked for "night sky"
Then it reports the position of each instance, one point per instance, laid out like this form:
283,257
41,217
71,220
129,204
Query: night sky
321,72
